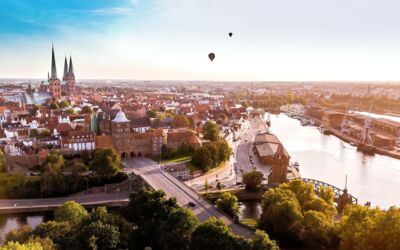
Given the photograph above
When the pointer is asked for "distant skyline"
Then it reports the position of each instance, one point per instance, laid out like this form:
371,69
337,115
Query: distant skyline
286,40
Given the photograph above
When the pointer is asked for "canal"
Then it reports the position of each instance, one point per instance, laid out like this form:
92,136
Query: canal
327,158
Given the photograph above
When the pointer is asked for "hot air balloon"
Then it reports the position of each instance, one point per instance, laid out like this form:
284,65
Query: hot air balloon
230,34
211,56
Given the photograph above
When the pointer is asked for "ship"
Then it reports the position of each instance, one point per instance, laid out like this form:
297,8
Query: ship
366,143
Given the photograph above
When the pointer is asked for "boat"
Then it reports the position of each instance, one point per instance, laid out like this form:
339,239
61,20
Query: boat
353,144
367,149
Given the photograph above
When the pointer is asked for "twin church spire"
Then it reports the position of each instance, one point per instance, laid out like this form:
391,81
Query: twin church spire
68,69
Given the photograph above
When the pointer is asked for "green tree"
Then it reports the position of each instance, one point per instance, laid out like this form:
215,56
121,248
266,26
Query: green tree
19,235
180,121
261,241
203,159
106,162
54,162
53,105
281,214
219,186
64,104
158,221
229,204
224,151
107,235
206,185
252,180
34,133
18,246
211,131
86,110
212,234
70,211
59,232
151,113
316,229
3,167
70,112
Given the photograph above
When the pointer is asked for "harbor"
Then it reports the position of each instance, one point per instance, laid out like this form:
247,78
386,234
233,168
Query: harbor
371,178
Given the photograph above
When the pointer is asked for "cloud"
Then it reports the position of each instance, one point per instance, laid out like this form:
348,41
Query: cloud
117,11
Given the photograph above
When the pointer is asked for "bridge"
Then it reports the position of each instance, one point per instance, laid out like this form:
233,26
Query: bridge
318,184
118,195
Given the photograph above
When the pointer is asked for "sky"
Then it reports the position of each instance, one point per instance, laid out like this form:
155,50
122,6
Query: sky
273,40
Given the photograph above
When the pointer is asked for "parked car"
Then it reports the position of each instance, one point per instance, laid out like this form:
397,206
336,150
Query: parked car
191,204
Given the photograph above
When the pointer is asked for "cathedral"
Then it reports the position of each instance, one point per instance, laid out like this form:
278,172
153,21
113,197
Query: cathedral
53,85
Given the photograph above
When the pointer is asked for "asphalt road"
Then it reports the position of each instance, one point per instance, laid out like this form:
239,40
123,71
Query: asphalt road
160,179
48,204
227,176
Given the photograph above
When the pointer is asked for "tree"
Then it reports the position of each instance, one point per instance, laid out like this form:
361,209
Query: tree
3,167
369,228
151,114
224,151
63,104
211,131
58,232
70,211
206,185
19,235
203,159
18,246
252,180
229,204
180,121
54,162
281,214
219,186
34,133
106,162
53,105
261,241
70,111
86,110
106,235
316,229
158,221
212,234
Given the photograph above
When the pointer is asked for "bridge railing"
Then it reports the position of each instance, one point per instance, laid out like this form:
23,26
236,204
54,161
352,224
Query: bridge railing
318,184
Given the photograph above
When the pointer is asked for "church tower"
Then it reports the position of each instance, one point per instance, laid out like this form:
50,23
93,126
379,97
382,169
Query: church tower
54,82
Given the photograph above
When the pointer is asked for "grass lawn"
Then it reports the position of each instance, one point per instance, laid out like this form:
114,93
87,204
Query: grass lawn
249,222
177,159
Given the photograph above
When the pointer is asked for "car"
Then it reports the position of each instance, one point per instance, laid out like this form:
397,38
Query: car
191,204
246,140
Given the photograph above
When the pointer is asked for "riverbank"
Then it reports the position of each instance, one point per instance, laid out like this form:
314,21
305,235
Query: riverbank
349,139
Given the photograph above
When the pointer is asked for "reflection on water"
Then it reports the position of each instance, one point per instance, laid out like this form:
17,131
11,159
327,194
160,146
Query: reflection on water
326,158
250,210
10,222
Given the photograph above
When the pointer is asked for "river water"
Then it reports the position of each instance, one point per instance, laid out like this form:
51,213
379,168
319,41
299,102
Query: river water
327,158
11,222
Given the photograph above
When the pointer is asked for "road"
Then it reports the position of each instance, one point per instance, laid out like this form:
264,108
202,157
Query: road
49,204
159,179
227,175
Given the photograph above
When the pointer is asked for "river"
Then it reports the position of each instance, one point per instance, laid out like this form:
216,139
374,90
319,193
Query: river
327,158
11,222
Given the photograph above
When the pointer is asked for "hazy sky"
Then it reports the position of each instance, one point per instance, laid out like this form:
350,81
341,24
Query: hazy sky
171,39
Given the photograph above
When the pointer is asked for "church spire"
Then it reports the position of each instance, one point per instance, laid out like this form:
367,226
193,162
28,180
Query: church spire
71,67
65,67
53,64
